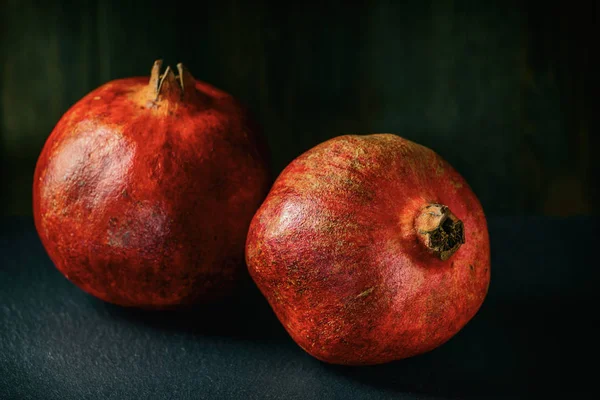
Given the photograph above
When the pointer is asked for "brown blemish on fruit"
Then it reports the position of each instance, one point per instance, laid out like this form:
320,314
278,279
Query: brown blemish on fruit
439,169
365,293
457,184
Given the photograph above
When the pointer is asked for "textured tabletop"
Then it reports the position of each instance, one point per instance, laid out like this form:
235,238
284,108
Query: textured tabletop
528,340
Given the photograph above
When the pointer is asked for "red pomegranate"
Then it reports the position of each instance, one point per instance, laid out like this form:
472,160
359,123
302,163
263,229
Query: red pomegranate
370,248
144,191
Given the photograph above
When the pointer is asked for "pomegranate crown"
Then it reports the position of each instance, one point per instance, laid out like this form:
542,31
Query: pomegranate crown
169,85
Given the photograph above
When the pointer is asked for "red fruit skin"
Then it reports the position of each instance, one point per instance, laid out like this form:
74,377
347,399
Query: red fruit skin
334,250
144,201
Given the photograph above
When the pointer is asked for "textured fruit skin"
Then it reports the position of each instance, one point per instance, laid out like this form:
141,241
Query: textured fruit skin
145,201
334,250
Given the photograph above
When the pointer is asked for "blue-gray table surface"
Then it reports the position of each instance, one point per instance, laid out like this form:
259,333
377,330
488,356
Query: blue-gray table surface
531,338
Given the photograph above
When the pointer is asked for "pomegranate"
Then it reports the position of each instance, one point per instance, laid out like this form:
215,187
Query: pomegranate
369,249
144,191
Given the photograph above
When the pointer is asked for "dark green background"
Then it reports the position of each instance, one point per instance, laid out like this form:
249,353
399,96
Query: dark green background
501,89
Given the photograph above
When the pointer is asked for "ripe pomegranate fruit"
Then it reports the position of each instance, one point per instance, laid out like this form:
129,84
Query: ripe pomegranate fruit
370,248
144,191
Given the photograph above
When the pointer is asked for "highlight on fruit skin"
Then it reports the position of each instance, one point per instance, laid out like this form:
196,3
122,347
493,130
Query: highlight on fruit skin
370,249
144,191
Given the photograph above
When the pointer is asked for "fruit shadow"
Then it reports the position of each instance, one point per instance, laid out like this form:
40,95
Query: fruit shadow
247,316
513,347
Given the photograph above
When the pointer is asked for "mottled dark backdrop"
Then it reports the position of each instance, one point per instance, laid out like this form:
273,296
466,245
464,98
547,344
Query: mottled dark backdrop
501,89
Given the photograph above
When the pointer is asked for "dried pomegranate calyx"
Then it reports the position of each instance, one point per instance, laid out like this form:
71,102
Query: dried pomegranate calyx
169,85
440,230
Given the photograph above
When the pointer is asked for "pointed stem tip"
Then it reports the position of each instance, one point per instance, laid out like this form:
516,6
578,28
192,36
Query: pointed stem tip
168,85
